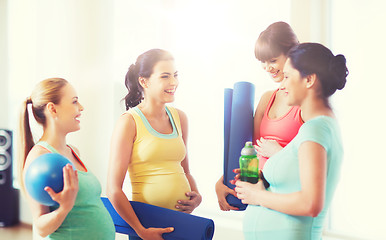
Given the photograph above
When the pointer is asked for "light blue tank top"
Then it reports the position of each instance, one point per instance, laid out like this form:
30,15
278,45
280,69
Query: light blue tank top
282,172
89,218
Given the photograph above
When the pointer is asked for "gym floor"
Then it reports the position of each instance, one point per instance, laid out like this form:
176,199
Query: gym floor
24,232
19,232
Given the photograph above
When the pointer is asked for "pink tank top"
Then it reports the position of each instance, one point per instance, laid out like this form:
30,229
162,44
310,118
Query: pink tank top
282,129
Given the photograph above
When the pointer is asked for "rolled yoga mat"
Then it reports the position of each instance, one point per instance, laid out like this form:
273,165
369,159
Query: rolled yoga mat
238,129
186,226
228,92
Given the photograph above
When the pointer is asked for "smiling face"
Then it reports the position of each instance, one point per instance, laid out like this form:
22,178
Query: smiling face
274,67
69,110
293,85
163,82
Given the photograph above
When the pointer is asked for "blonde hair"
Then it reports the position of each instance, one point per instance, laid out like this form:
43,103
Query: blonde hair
46,91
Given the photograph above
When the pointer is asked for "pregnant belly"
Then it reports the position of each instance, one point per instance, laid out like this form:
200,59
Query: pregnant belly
161,190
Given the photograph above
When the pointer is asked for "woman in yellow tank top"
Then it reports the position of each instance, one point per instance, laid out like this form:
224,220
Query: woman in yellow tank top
149,141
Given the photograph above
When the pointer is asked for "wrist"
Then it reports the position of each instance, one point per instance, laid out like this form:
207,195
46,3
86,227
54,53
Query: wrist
62,211
260,198
140,230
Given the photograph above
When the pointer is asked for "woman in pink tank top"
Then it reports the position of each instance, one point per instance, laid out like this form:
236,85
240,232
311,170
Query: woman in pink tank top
275,123
272,134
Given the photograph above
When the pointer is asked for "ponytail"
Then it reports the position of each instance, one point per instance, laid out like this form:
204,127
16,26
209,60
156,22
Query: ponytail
25,139
46,91
143,67
134,97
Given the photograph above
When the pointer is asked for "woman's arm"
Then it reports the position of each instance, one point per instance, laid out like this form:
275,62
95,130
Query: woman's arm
259,113
309,201
195,198
47,222
120,156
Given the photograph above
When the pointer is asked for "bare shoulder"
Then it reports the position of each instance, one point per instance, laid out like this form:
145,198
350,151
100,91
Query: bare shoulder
182,115
126,119
125,127
35,152
266,97
264,100
184,123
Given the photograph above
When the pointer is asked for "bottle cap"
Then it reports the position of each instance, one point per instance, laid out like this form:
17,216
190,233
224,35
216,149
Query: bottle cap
248,150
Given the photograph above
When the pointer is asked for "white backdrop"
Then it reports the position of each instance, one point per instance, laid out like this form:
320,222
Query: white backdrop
91,43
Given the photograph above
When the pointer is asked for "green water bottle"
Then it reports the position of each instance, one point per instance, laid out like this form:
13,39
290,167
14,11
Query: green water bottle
249,164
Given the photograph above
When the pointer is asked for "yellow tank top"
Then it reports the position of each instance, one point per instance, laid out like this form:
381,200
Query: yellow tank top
156,174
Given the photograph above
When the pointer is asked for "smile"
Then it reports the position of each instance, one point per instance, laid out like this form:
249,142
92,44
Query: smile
275,74
172,91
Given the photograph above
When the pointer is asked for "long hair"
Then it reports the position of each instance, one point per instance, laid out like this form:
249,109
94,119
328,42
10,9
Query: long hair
46,91
143,67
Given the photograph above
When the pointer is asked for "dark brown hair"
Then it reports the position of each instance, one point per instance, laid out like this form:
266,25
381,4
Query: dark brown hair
143,67
314,58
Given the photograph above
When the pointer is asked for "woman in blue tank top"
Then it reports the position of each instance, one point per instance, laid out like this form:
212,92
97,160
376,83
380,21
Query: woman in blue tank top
304,175
80,213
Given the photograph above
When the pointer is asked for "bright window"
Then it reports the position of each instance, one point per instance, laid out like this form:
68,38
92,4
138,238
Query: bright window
359,204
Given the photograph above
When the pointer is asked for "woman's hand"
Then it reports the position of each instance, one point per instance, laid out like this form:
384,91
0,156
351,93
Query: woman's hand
187,206
248,193
222,191
237,176
154,233
66,198
266,147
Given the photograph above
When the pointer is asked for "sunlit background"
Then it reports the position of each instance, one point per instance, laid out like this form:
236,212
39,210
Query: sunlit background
91,43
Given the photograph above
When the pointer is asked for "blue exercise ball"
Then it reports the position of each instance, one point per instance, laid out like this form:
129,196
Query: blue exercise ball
45,171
